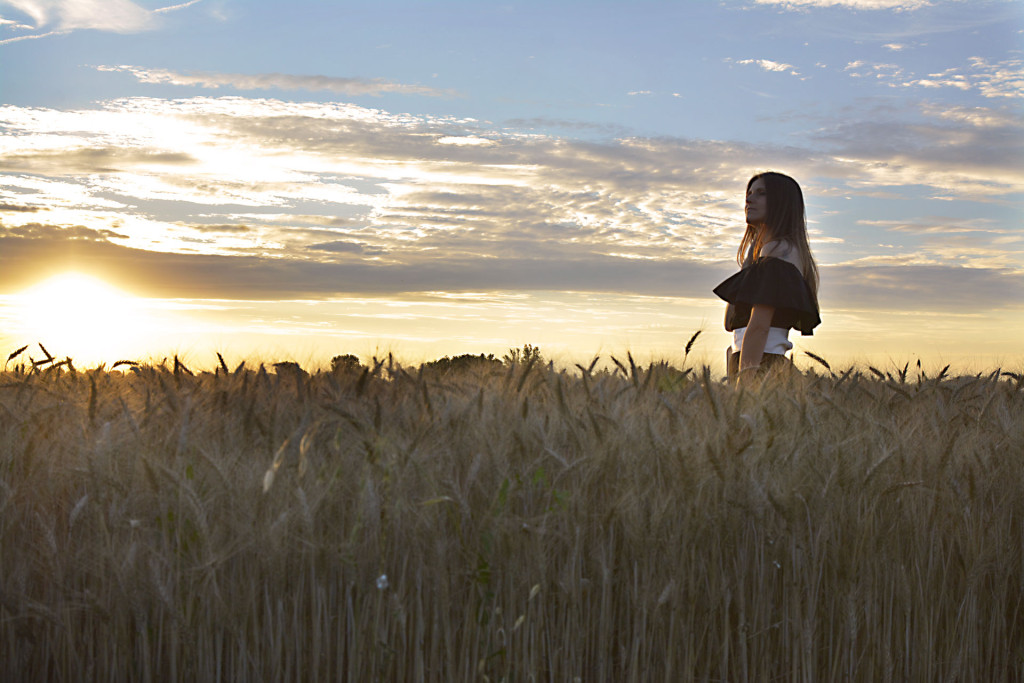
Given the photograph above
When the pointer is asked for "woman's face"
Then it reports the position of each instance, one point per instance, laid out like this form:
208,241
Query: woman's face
757,203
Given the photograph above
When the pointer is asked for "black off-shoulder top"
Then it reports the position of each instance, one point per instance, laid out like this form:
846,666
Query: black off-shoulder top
772,282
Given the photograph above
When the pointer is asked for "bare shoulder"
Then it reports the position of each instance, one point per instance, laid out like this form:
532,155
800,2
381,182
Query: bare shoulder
782,249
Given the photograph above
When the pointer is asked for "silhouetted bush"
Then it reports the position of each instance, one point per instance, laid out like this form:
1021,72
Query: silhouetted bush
463,363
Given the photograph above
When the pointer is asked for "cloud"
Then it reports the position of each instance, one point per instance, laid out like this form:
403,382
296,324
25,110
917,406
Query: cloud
958,152
901,286
221,228
34,36
1004,79
342,246
175,8
74,161
948,241
347,86
17,208
861,69
977,117
60,17
768,65
300,219
119,16
53,194
11,23
260,198
527,210
27,251
899,5
461,140
266,151
938,225
604,129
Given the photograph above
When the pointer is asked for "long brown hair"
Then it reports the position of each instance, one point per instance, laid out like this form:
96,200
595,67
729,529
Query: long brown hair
786,220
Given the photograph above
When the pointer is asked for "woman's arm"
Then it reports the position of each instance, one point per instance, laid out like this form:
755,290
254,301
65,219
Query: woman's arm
755,337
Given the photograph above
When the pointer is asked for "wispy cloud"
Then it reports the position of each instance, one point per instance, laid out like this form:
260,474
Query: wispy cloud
603,129
978,117
954,158
175,8
767,65
901,5
976,242
891,286
1003,79
347,86
939,225
33,36
861,69
58,17
10,23
120,16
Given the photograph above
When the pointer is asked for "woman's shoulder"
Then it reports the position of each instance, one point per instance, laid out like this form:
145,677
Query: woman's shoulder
784,251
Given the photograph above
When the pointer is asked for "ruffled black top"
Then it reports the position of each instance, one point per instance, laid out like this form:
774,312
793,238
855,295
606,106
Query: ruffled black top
772,282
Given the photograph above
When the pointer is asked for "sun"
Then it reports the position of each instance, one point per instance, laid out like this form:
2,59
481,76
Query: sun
82,317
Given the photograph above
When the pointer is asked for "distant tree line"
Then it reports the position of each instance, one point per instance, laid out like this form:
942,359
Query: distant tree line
529,354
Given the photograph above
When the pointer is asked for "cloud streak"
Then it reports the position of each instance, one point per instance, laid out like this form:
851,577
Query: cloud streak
899,5
274,81
175,8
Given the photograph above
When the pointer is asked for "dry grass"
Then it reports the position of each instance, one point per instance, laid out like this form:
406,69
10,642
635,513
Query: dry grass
509,524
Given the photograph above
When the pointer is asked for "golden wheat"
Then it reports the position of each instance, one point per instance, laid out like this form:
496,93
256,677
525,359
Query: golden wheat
509,522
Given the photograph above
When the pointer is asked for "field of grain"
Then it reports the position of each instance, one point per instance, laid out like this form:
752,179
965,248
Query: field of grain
509,521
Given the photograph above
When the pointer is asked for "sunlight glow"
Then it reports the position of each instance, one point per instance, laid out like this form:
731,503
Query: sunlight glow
82,317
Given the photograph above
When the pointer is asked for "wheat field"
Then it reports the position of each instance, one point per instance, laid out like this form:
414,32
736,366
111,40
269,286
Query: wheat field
509,521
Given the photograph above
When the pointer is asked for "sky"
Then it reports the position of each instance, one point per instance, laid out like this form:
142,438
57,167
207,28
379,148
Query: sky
299,180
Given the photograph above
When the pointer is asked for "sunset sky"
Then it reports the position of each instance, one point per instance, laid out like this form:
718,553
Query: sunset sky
298,180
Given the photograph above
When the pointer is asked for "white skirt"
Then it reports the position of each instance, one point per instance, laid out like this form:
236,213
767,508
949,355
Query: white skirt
777,342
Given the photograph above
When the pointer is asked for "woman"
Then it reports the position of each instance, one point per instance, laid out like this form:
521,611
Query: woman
777,287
